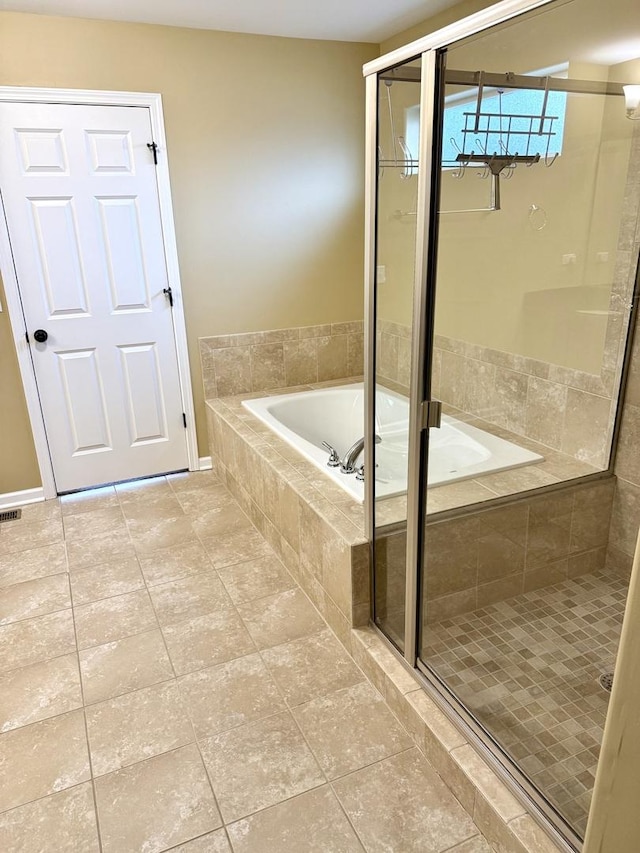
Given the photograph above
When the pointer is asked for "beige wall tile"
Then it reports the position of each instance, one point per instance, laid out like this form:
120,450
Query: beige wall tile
233,370
546,575
267,367
332,357
300,362
625,516
586,427
546,404
499,590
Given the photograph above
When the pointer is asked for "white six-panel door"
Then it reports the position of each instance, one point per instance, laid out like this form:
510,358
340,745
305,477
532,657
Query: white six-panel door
81,202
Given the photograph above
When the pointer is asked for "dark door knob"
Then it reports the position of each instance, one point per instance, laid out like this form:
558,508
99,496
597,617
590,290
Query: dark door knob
40,335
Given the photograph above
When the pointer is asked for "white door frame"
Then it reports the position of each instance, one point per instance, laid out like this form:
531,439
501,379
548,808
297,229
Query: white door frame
14,306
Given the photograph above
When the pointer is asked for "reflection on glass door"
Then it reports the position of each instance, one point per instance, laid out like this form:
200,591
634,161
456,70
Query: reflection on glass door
535,280
397,183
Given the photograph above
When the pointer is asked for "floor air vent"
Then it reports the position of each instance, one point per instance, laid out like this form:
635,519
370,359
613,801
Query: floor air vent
10,515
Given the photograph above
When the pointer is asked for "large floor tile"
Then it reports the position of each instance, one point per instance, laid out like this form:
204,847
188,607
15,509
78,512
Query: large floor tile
136,726
231,694
63,822
259,765
189,597
236,547
39,691
402,804
255,579
43,758
473,845
33,563
151,534
350,728
310,667
212,842
129,664
34,598
94,523
23,535
224,519
207,640
143,491
171,564
105,580
197,502
33,640
191,481
281,618
310,823
104,548
88,501
156,804
114,618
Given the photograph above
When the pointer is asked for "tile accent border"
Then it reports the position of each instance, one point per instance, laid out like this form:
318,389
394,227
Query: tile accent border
261,361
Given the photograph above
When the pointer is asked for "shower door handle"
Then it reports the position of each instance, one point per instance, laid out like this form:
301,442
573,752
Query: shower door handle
431,414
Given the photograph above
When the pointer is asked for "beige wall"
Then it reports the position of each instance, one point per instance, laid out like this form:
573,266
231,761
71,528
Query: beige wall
18,466
266,139
501,282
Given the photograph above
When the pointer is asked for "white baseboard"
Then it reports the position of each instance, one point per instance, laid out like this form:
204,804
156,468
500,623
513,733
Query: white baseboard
205,463
26,496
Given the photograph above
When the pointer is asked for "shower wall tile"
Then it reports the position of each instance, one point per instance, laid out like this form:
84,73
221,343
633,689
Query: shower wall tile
264,361
332,357
488,556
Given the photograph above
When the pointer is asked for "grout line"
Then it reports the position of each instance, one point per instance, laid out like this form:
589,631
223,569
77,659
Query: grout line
84,717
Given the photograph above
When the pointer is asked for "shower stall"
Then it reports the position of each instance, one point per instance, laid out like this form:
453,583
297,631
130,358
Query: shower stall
503,159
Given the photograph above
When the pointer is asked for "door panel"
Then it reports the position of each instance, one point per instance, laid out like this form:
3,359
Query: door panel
146,409
81,201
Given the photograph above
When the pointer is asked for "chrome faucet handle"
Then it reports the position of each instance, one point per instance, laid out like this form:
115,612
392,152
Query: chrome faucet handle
360,473
333,460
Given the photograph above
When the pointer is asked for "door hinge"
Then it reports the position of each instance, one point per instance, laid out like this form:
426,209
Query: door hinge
184,419
153,147
431,415
169,294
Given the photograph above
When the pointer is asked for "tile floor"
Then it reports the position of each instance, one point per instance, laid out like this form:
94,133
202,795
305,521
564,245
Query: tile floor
165,685
528,668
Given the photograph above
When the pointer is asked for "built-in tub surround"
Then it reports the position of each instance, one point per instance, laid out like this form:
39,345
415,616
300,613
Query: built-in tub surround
332,420
567,410
313,525
281,358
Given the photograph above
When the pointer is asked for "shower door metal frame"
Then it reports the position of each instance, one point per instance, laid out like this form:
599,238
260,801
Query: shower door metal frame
424,279
428,48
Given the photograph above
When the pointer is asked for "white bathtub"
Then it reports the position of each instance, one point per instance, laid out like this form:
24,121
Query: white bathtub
457,451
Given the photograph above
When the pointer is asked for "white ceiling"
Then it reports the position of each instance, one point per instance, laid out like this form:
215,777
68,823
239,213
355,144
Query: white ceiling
342,20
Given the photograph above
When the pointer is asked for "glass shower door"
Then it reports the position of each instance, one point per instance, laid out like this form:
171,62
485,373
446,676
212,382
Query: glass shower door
535,194
398,126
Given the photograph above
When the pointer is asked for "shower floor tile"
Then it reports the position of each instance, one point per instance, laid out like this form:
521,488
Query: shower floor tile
528,668
170,640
